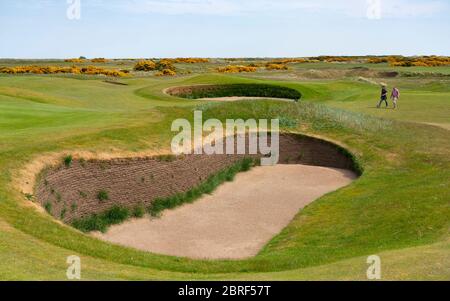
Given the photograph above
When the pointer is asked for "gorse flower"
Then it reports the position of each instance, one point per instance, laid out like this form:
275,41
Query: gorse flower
145,66
89,70
236,69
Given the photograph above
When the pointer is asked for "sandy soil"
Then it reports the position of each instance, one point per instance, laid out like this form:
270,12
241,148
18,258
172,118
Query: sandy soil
238,98
238,219
441,125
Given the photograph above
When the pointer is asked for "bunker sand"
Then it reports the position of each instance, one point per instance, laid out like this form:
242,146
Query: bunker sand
238,219
241,98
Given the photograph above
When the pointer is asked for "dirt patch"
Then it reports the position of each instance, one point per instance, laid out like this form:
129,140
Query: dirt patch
445,126
72,192
238,219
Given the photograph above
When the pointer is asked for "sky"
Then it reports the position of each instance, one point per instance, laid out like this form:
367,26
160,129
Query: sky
222,28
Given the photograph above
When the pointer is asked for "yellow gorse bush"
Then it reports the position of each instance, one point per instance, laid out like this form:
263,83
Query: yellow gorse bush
291,60
425,61
90,70
166,72
99,60
276,66
145,66
74,60
188,60
236,69
335,59
165,64
149,65
422,61
378,60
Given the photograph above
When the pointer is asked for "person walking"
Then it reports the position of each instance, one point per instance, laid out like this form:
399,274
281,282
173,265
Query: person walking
395,96
383,97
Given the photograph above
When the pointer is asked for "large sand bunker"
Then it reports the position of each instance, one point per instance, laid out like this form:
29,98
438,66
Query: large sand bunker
238,219
234,222
71,192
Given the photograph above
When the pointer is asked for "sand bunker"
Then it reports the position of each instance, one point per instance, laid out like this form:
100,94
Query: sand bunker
234,92
71,192
234,222
238,219
239,98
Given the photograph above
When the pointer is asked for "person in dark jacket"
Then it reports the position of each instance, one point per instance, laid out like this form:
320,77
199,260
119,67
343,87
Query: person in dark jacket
384,97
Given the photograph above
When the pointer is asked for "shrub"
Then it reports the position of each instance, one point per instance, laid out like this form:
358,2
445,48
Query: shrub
189,60
276,67
138,211
145,66
236,69
336,59
80,60
102,196
99,60
424,61
291,60
166,72
63,213
378,60
73,207
165,64
90,70
48,207
100,222
68,160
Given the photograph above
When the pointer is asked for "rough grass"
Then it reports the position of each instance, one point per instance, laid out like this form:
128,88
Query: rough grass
101,222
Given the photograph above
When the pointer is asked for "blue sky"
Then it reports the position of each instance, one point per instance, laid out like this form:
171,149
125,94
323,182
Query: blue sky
223,28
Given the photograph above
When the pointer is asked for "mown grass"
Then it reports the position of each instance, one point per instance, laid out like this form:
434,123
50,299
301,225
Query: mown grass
401,201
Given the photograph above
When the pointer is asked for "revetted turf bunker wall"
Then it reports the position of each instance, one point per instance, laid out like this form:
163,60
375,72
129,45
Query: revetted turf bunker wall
241,90
72,192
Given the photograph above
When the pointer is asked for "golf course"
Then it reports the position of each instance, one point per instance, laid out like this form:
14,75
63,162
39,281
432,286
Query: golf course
62,121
